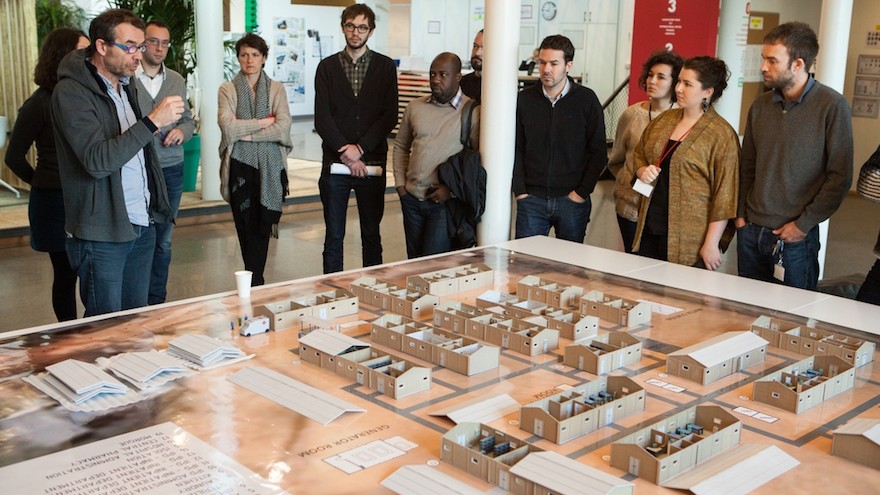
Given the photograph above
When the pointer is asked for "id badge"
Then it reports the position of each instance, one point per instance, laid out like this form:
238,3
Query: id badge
779,268
643,188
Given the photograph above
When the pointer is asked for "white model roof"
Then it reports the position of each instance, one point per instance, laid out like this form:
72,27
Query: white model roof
333,343
565,476
867,427
424,480
740,470
292,394
480,410
721,348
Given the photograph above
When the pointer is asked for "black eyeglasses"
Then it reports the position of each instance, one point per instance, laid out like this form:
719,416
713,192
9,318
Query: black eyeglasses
157,42
129,49
349,27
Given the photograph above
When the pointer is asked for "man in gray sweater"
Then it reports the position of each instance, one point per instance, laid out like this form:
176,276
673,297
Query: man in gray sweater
154,82
796,164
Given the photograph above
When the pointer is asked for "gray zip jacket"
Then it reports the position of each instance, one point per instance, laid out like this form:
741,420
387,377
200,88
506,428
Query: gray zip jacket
91,153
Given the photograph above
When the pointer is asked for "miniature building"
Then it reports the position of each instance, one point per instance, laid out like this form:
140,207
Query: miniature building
616,310
604,353
717,357
453,280
508,333
858,441
571,324
805,384
434,345
534,288
325,305
573,413
322,347
677,444
391,297
519,467
810,341
384,373
357,361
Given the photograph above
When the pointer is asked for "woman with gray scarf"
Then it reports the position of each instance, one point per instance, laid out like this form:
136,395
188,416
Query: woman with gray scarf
254,120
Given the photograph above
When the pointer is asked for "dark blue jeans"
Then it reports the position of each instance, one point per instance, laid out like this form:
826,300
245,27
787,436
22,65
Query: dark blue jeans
756,259
113,275
162,255
535,215
424,224
369,193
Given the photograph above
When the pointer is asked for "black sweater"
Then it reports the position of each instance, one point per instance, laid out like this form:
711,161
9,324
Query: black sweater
341,118
34,125
558,149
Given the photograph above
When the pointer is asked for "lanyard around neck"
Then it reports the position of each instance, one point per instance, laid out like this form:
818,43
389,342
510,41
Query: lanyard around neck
670,149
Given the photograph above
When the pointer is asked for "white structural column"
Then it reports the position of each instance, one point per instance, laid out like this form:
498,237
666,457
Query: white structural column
209,56
732,37
831,70
497,127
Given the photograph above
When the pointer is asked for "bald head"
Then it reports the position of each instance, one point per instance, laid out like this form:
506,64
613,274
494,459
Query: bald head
445,76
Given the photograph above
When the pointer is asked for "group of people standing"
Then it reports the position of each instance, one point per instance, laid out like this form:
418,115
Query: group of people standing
683,184
110,121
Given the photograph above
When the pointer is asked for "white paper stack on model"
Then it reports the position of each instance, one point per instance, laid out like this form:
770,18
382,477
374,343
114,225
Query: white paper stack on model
146,369
203,350
78,381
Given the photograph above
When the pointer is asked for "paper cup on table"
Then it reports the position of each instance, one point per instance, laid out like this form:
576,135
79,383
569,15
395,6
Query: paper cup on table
243,282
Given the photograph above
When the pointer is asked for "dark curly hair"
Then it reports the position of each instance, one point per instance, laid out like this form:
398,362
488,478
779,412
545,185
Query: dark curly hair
57,44
666,57
711,72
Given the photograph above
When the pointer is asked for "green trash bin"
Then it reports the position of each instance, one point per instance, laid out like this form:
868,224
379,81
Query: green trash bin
192,152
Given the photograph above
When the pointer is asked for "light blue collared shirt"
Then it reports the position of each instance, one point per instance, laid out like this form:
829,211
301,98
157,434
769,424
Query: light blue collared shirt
562,93
135,187
455,101
788,105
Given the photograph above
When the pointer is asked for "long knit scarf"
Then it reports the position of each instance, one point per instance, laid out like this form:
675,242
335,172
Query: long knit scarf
264,156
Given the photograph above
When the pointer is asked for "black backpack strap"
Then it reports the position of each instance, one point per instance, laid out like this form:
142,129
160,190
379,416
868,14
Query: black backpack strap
466,115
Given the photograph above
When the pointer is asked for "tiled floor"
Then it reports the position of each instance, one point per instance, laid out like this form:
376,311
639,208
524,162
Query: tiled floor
206,254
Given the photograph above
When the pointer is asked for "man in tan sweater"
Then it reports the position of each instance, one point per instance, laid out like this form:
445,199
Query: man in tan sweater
430,132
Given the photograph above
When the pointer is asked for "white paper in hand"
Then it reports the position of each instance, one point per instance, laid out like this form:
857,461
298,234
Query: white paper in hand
342,169
643,188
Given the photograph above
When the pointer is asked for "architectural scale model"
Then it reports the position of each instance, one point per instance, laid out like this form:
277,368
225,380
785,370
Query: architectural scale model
508,463
717,357
452,280
571,324
391,297
552,293
573,413
858,441
434,345
358,361
604,353
614,309
805,384
325,305
677,444
810,341
522,336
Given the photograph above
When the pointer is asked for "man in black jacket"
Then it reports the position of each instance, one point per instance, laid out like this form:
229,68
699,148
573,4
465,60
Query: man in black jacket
355,110
560,148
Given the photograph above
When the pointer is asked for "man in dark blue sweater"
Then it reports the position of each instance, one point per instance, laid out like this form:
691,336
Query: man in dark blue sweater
560,148
355,110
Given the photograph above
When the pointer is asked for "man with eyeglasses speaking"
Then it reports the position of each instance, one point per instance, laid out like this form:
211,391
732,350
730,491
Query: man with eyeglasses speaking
114,190
355,110
154,82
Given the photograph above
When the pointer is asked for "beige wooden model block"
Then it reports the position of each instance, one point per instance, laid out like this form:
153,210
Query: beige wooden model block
858,441
604,353
453,280
810,341
616,310
583,409
715,358
805,384
680,443
552,293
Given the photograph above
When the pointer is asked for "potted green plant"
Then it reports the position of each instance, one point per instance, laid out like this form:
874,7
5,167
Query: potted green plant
54,14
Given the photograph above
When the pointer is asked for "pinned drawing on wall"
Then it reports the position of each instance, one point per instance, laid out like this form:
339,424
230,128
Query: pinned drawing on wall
289,49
